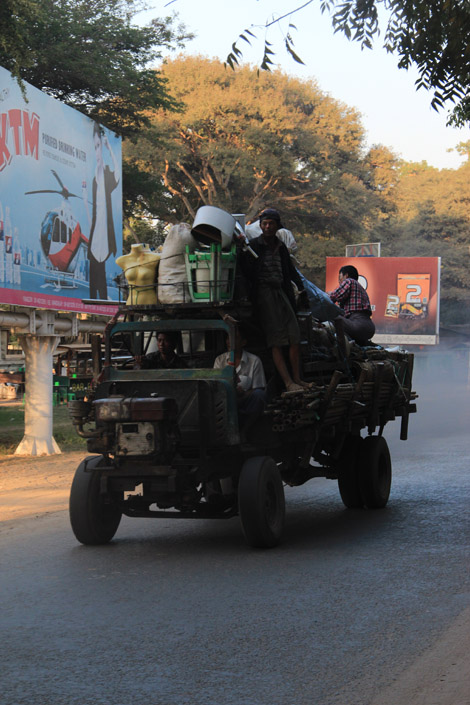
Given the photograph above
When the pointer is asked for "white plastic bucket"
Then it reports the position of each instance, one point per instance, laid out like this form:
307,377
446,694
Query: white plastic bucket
213,226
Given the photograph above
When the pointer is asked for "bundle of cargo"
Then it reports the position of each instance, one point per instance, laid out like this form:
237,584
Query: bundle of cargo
172,275
378,390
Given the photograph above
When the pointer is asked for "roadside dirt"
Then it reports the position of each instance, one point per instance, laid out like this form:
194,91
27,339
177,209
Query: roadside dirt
440,676
33,486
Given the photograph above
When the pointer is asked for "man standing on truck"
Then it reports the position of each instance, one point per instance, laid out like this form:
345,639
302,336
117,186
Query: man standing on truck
270,278
354,301
253,229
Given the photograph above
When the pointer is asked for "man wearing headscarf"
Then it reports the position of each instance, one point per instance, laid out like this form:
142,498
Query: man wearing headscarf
270,277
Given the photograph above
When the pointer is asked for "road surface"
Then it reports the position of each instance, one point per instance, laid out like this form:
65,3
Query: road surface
354,608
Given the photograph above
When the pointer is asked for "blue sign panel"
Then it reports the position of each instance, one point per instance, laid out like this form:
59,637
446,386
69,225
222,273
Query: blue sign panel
60,203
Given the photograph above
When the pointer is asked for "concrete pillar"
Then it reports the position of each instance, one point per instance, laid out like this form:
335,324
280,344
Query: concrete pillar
3,346
38,439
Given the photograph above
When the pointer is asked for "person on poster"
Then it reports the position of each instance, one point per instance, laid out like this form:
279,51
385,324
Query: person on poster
102,238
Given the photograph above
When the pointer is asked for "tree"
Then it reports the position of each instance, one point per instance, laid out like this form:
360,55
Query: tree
90,55
432,36
245,141
17,19
447,190
429,234
431,219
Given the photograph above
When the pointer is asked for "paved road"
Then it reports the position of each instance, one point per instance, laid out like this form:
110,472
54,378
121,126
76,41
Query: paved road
183,613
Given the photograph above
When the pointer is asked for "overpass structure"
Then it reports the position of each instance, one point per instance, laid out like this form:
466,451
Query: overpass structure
39,333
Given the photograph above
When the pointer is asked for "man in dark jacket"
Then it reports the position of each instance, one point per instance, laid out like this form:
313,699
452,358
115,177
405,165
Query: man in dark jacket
270,278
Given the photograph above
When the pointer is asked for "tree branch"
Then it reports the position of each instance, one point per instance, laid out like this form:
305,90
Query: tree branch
173,191
193,182
292,12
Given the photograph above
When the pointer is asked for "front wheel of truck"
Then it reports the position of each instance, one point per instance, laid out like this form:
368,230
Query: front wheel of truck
261,502
94,518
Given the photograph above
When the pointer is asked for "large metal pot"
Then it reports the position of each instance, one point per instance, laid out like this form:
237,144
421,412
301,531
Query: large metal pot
213,225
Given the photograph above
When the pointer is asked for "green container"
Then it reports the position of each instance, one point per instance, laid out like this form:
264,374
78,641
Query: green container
211,274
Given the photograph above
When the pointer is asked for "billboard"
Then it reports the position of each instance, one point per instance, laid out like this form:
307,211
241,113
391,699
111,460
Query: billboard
404,295
60,203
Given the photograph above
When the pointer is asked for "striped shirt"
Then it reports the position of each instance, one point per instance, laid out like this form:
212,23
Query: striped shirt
352,297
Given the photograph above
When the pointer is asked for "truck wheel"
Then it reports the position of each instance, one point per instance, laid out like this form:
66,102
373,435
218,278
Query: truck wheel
93,520
375,472
261,502
348,473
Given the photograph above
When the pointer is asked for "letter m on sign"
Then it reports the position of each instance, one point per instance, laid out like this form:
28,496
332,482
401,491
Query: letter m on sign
5,155
31,134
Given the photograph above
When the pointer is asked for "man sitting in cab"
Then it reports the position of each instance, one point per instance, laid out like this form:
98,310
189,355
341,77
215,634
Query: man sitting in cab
250,378
165,358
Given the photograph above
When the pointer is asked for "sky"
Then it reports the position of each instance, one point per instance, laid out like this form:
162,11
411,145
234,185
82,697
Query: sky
393,113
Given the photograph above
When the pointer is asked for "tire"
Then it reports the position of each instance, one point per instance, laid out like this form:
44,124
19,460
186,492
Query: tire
93,521
375,472
348,473
261,502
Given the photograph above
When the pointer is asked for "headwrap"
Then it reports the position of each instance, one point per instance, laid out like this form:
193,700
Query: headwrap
272,214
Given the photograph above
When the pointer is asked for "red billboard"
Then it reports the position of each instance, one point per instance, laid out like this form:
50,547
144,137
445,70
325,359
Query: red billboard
404,295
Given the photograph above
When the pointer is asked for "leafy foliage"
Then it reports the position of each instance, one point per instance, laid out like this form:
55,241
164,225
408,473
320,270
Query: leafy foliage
17,21
245,141
431,219
431,35
90,55
447,190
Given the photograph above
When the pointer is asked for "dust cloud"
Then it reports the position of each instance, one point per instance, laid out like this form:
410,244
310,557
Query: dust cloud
441,378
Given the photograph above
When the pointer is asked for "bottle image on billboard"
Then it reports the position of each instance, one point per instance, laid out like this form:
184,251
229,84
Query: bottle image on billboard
413,291
2,246
8,247
16,258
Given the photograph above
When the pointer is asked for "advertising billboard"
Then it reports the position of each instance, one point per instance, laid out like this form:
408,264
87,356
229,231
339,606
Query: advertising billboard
404,295
60,204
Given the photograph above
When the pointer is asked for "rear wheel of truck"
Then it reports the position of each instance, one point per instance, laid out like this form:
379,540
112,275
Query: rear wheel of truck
93,517
375,472
348,473
261,502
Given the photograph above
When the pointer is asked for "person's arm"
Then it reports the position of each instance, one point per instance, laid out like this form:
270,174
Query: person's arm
303,301
293,273
220,362
342,292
